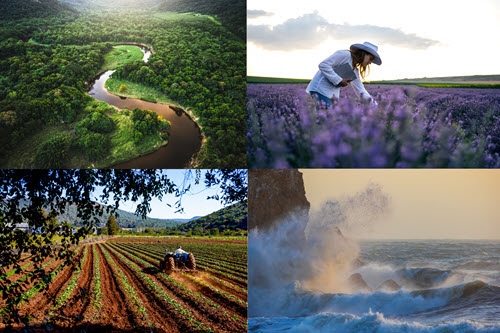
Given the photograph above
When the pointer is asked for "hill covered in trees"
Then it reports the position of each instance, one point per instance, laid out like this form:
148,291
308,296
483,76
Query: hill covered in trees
231,13
230,218
23,9
124,219
50,57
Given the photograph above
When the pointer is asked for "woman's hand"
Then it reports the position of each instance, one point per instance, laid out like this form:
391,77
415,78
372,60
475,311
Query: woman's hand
345,82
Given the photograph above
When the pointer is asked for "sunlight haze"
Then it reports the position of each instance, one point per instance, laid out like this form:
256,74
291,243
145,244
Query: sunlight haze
429,204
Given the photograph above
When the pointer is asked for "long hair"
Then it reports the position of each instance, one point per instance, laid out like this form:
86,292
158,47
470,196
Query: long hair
358,56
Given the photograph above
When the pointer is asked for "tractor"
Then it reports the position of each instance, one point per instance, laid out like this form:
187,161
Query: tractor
178,261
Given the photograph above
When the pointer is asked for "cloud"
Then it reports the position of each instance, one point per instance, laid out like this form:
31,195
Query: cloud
308,31
252,13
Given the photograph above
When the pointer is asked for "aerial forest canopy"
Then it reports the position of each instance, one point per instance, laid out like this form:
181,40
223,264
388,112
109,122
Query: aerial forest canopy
52,52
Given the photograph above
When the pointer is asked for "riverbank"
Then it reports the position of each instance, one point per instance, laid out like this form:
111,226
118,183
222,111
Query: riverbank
123,94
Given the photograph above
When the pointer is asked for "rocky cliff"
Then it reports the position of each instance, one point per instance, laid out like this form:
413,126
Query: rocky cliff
274,195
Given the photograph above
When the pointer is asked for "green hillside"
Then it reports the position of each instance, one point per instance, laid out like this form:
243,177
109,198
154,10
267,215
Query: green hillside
23,9
471,79
229,218
124,219
231,13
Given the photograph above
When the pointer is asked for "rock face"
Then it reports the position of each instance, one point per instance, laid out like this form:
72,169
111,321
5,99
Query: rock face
389,285
357,282
274,195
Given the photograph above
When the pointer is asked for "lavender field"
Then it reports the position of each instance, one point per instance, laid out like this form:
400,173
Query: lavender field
412,127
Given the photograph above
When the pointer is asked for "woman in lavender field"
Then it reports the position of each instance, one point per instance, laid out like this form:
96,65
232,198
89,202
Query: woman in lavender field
327,82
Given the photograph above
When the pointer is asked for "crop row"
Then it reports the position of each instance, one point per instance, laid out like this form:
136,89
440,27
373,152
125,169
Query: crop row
130,291
203,304
157,256
163,296
215,264
181,290
31,273
229,254
237,253
63,297
236,276
97,282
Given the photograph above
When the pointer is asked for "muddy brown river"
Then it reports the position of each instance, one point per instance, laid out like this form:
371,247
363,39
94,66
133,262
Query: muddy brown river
184,135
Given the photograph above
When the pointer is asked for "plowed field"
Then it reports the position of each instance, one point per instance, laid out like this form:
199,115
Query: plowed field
116,286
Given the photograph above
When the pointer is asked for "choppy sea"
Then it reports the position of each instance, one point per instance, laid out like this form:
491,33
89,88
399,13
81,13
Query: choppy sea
445,286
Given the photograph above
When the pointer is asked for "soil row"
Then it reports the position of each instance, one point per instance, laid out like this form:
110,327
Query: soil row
223,303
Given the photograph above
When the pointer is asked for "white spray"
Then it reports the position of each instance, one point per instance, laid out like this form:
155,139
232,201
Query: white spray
308,255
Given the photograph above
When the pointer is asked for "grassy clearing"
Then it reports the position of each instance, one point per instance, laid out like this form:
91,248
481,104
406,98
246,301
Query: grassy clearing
138,91
171,16
120,55
122,142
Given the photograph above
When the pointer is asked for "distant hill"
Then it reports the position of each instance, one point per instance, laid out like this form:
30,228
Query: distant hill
20,9
231,13
229,218
187,220
263,79
472,79
124,219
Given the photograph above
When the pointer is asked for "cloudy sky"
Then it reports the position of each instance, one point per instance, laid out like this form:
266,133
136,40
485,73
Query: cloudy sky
427,38
428,204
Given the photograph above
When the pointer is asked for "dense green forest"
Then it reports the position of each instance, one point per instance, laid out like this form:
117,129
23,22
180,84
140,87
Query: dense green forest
230,218
228,12
125,219
51,53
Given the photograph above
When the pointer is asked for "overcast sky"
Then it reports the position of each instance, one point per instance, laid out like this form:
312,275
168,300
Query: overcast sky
429,204
427,38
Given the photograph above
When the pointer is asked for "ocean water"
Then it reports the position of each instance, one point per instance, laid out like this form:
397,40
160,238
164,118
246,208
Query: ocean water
434,286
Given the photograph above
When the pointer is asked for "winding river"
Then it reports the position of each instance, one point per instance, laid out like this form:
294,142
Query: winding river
184,135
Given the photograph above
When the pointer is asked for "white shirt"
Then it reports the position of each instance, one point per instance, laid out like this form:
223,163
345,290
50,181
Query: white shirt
326,80
179,251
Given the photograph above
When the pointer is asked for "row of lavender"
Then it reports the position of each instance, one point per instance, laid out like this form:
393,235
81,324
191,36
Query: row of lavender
411,127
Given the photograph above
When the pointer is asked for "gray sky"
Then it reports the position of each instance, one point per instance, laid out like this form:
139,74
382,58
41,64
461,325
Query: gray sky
432,203
426,38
